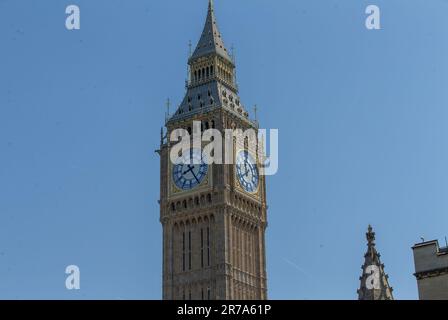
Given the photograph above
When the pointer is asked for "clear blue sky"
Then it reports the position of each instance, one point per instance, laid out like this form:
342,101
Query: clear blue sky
363,128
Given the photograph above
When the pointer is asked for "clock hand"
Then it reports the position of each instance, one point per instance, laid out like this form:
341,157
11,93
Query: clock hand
194,175
190,168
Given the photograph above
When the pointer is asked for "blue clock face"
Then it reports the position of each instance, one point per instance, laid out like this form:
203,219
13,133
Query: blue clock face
247,171
190,170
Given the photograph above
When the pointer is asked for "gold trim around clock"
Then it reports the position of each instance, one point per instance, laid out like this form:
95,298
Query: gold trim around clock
175,191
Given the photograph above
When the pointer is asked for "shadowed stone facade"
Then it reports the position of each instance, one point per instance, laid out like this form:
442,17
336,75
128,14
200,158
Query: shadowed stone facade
214,233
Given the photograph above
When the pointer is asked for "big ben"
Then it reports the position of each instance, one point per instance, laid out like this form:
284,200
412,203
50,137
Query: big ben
213,215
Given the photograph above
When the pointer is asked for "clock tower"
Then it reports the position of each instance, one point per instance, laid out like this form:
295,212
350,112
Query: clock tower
213,215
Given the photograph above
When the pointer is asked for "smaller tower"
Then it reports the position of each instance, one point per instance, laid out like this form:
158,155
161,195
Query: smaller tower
374,280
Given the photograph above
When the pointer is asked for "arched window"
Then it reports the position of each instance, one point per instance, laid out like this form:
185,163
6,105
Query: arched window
208,72
211,70
189,130
206,125
213,124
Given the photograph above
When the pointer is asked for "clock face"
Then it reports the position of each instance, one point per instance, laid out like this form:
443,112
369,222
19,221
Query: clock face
247,171
190,170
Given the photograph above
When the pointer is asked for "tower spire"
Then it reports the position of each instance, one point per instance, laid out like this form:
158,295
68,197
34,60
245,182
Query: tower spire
211,76
374,280
211,40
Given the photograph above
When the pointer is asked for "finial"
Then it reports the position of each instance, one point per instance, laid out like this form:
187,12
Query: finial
210,5
168,103
370,235
255,112
188,80
233,57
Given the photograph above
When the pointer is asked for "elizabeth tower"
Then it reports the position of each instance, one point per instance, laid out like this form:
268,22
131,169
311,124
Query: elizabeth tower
213,215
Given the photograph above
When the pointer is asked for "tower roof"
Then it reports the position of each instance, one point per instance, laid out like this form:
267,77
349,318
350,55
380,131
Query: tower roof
374,280
211,40
209,89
